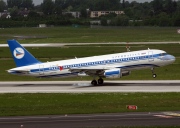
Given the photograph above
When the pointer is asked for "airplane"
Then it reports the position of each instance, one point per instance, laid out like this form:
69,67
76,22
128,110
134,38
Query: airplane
104,66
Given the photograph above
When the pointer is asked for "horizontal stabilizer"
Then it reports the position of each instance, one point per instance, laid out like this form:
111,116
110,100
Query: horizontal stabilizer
18,71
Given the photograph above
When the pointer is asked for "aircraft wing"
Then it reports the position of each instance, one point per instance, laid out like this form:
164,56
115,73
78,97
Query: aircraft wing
88,71
92,71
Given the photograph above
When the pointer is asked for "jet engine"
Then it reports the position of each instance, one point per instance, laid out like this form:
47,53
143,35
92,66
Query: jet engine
113,73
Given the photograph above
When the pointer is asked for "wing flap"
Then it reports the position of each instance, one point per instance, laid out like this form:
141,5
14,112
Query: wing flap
91,71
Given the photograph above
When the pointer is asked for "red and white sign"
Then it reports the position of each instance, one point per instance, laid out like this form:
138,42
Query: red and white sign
131,107
178,31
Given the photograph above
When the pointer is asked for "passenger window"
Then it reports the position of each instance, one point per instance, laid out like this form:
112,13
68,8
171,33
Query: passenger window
162,54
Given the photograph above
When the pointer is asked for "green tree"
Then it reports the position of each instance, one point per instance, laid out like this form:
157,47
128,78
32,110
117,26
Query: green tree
2,5
27,4
48,7
103,21
157,6
33,14
61,3
170,6
176,19
164,19
121,20
12,3
129,12
14,12
20,3
83,13
105,5
178,6
58,7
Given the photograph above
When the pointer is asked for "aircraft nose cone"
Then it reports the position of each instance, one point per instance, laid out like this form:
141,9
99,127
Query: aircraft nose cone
169,58
172,58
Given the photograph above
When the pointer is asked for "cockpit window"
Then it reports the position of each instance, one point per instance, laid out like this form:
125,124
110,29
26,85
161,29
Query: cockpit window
162,54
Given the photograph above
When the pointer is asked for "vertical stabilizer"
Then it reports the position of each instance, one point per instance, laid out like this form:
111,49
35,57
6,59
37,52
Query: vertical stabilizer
20,55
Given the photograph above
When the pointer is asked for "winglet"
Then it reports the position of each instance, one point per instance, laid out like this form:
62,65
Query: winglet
20,55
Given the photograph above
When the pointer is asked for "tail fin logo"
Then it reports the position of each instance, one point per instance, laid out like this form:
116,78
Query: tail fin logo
18,53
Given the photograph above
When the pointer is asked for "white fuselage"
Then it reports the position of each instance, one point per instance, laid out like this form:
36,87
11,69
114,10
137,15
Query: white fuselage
126,61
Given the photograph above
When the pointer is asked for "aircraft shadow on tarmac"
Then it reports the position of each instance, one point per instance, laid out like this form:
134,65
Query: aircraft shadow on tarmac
125,84
73,85
82,85
58,84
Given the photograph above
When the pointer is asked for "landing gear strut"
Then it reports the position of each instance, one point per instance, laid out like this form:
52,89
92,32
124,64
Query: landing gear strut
153,74
100,81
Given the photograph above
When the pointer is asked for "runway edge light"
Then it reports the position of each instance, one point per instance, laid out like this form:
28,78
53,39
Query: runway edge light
131,107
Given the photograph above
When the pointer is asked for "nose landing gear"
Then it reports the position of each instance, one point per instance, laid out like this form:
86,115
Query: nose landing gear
153,74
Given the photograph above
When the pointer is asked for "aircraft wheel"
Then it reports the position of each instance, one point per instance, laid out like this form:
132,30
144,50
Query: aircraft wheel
154,75
94,82
100,81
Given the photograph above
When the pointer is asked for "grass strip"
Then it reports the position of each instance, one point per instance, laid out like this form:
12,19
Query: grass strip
68,52
55,104
87,35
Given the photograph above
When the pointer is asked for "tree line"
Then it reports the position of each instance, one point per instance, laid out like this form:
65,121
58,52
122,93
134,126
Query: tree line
154,13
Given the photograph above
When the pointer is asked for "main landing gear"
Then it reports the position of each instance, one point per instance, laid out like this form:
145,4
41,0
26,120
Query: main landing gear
153,74
100,81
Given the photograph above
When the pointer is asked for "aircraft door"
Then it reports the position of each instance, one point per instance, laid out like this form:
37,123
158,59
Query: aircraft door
41,69
150,56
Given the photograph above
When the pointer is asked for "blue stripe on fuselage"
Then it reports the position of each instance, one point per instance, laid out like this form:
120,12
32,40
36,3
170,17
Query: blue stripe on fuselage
112,61
124,67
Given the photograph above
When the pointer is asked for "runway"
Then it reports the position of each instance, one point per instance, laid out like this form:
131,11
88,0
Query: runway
86,87
79,44
93,120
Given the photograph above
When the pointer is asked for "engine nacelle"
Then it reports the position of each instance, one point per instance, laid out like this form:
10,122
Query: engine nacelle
113,73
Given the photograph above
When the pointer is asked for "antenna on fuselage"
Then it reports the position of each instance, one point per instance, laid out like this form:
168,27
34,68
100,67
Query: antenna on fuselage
128,47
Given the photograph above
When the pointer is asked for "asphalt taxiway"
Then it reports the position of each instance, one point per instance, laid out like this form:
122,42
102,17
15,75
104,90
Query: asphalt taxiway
93,120
86,87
